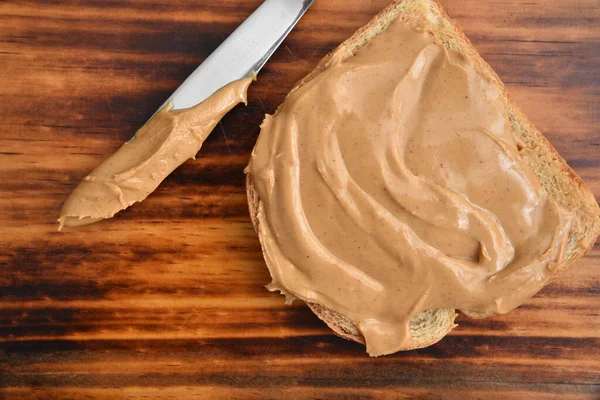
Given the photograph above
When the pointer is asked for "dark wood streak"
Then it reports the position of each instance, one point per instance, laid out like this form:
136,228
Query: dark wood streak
167,299
218,362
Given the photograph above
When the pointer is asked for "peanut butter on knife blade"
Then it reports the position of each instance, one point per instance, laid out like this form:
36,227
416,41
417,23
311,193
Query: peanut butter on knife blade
165,142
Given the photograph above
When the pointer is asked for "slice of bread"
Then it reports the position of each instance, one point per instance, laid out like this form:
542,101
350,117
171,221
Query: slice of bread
556,177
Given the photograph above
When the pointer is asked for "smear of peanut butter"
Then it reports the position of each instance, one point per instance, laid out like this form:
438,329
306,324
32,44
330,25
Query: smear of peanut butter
392,183
165,142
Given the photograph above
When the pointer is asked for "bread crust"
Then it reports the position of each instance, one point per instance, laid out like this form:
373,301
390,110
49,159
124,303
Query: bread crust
561,183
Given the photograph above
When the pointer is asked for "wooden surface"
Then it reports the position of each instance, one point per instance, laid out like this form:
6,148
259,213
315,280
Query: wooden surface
167,299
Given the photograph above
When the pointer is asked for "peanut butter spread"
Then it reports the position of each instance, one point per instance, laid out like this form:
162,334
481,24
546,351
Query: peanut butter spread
165,142
392,183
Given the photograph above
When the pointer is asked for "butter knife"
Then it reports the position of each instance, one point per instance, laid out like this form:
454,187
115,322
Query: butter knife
177,130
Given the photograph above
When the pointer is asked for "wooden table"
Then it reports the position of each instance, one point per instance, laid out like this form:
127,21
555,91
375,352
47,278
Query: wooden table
167,299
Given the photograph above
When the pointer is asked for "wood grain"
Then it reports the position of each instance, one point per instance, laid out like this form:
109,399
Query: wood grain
167,299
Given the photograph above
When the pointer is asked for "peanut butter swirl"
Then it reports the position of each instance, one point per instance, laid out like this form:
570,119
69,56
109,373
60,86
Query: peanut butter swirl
392,183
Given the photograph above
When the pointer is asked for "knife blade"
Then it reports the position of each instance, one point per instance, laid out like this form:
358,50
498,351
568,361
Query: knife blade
170,138
245,51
